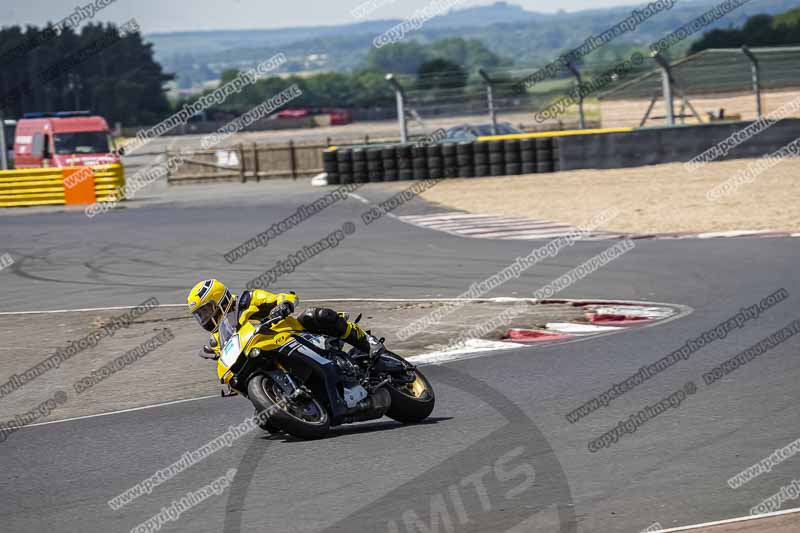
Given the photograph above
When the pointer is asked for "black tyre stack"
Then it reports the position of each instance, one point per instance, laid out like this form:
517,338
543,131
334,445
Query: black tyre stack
419,162
480,151
497,158
405,168
344,160
513,158
360,171
527,154
544,155
435,161
556,154
450,158
331,167
375,164
389,158
464,158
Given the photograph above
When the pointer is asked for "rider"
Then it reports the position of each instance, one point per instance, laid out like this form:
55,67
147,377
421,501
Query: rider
210,301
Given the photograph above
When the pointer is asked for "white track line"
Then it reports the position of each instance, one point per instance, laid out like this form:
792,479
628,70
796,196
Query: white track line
490,224
449,216
540,234
729,521
84,417
578,329
494,228
84,310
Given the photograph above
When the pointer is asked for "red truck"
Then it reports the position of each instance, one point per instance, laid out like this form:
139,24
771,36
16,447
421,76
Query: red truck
63,139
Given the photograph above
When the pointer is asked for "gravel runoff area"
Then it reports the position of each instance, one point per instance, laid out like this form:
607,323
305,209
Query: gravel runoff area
651,199
172,370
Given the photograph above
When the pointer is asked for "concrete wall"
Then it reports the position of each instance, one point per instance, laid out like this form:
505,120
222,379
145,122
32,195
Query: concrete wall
651,146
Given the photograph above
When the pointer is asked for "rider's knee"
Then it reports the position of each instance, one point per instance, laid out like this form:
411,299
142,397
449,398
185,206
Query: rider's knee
323,320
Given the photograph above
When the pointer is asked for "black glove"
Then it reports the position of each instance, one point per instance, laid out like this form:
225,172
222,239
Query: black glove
208,353
281,310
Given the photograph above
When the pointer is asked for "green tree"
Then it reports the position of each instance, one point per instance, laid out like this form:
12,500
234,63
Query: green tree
441,74
758,30
98,69
399,58
470,54
373,90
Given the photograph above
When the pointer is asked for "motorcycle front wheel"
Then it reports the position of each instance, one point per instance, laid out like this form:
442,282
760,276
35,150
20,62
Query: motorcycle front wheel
306,419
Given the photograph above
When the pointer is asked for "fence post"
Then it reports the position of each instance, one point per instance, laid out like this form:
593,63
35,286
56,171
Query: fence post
490,98
579,81
292,160
242,174
256,166
3,145
166,161
756,71
666,87
401,107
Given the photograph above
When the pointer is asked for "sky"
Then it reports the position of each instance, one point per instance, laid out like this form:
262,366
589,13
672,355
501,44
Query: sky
186,15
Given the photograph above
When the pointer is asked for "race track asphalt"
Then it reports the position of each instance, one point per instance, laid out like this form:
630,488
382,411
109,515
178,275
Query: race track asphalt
498,452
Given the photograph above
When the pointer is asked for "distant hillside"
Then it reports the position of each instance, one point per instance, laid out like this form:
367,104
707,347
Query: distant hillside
169,44
507,30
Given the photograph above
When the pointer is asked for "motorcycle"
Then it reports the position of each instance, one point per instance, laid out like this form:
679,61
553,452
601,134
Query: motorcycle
303,384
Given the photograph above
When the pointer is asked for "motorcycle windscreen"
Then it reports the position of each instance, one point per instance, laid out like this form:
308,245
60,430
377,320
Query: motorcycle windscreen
228,327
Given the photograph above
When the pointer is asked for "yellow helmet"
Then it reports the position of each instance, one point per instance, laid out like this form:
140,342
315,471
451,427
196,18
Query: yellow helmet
209,301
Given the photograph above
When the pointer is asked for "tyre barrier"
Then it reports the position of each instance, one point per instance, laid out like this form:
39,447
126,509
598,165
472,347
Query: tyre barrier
375,165
389,161
344,161
468,159
544,155
330,164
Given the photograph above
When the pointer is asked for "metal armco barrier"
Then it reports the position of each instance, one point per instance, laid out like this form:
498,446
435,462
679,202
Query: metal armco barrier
45,186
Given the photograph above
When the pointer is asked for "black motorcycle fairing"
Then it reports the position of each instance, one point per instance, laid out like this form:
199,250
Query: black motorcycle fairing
300,353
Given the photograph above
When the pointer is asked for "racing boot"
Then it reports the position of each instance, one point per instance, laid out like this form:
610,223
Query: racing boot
380,358
355,336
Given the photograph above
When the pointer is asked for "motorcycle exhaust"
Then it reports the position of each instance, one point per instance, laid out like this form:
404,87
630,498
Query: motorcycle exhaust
372,407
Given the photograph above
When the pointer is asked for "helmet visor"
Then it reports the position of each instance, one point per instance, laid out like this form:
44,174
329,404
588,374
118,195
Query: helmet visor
208,316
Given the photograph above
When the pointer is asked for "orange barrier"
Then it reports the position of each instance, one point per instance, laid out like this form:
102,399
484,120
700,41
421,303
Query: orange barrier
79,186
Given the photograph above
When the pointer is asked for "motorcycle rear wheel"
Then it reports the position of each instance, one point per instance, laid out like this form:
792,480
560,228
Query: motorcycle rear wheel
306,420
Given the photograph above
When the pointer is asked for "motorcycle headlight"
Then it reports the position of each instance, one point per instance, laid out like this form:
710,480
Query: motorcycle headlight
255,352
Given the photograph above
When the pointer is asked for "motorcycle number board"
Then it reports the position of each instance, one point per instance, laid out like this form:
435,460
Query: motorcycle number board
231,351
